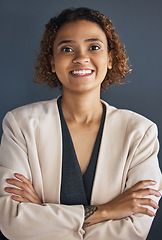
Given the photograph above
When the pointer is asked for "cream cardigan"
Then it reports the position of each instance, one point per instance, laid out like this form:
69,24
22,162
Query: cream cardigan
32,145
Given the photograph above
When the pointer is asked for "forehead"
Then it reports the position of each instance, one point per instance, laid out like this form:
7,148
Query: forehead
80,30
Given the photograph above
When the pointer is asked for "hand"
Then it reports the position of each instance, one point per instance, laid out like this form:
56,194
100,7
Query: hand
132,201
25,193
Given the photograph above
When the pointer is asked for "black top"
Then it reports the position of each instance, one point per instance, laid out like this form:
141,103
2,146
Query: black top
75,188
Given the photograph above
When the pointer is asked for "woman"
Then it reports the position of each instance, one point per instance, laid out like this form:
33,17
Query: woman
75,167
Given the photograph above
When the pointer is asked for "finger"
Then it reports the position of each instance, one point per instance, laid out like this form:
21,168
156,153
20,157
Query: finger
148,202
20,184
146,211
142,184
148,191
25,180
19,199
24,200
20,193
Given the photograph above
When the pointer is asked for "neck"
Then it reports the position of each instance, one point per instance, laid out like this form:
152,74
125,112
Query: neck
81,108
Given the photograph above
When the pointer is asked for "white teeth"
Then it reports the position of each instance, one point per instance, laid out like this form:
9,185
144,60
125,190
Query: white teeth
81,72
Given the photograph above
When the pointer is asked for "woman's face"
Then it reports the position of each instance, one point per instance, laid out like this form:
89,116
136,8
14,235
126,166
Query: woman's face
80,56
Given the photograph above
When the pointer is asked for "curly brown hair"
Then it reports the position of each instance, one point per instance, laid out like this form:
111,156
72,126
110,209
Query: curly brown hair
120,68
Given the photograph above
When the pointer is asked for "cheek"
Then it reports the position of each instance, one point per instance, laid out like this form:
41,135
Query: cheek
102,68
102,58
61,63
103,63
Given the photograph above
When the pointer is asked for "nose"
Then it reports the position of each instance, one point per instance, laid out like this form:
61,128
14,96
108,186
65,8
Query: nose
81,58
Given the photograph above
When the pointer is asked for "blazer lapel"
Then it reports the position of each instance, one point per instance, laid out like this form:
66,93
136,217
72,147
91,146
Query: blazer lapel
50,152
108,176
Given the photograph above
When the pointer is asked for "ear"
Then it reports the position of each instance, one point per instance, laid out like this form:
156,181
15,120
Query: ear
110,60
53,65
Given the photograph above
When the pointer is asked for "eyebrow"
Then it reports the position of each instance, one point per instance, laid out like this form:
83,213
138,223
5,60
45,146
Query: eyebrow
87,40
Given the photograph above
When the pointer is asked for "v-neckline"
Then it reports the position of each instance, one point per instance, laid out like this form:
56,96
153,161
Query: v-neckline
99,129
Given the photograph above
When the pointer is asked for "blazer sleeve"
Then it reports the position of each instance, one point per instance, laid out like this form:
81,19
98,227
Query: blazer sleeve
22,221
143,166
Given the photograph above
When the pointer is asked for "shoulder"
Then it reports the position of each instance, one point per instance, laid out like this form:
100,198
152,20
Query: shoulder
32,111
131,121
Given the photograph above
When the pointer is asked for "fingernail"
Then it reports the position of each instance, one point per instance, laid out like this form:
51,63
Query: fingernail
17,174
13,197
8,180
153,182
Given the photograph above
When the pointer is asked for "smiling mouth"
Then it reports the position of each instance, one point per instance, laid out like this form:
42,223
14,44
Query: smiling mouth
81,72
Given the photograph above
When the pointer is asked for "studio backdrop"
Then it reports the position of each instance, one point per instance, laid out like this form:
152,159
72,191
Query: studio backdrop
139,25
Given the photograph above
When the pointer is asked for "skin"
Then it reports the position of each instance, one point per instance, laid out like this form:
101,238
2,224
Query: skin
26,193
83,45
86,49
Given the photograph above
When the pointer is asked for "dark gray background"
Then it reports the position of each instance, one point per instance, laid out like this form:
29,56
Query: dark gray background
139,25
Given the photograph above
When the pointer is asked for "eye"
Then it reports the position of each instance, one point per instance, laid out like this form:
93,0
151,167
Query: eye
94,47
66,49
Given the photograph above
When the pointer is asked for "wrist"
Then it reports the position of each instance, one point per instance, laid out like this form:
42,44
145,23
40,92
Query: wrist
95,214
103,212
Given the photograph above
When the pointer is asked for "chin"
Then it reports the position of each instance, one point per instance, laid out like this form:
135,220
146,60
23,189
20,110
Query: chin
85,89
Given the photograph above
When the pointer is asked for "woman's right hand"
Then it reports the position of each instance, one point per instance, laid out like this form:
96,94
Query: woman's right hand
130,202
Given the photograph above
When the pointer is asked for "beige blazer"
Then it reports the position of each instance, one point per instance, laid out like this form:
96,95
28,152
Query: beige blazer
32,145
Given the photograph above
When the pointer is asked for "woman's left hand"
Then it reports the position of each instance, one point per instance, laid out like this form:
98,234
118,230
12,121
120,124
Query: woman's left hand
25,191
